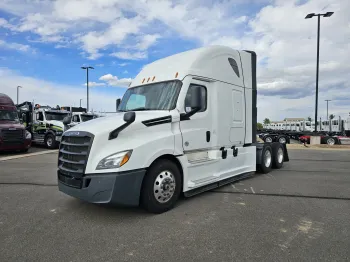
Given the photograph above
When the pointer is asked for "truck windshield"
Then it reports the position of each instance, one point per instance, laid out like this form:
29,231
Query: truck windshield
55,116
85,118
157,96
9,115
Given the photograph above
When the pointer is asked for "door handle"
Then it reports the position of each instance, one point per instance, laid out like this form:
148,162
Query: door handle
208,136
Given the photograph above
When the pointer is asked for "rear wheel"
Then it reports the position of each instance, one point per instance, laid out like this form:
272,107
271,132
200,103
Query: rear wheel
161,186
278,155
268,139
266,160
330,141
282,140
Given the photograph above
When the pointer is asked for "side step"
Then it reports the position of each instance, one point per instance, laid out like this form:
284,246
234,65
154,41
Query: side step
217,184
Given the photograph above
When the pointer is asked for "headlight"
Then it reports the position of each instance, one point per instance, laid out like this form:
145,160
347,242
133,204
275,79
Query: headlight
28,135
58,133
114,161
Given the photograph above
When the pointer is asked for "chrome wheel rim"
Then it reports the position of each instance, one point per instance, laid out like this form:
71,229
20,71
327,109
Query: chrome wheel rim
280,155
330,141
282,140
268,139
164,187
267,158
49,141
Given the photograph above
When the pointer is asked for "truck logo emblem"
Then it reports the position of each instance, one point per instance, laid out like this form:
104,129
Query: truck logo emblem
73,134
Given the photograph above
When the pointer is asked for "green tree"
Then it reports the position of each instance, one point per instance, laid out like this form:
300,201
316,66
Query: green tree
259,126
331,116
309,119
266,121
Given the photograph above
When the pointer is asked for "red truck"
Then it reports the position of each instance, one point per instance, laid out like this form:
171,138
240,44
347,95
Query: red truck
13,135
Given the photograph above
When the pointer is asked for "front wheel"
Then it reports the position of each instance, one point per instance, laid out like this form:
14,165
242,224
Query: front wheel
161,186
50,141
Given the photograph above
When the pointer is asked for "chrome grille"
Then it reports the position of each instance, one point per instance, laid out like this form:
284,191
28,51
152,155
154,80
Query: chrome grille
73,156
12,136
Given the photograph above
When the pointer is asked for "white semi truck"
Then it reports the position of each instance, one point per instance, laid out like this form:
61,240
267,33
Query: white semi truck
186,124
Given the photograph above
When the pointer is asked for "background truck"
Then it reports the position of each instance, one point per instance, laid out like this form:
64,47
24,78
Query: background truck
44,122
186,124
13,135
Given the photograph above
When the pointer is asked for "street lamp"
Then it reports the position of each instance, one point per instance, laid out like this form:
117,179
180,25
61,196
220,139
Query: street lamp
327,100
87,84
328,14
18,87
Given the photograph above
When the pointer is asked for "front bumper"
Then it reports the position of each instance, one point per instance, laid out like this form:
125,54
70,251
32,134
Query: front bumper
110,188
14,147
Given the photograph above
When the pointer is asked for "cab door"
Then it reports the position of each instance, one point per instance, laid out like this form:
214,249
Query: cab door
197,135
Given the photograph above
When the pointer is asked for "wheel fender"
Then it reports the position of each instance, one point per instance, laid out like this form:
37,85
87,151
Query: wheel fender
157,155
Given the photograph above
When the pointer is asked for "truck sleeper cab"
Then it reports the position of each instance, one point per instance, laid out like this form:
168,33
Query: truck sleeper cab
187,123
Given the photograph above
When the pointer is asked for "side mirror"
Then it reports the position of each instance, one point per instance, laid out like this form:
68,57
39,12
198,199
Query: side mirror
129,117
67,120
196,98
118,103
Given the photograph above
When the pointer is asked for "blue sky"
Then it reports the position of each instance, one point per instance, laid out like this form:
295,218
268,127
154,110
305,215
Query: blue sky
44,43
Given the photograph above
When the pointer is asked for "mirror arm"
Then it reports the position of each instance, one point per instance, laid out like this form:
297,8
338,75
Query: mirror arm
186,116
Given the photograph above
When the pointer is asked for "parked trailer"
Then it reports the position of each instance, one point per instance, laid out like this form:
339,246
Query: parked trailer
186,124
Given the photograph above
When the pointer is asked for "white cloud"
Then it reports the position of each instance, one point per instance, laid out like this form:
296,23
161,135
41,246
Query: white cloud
130,56
115,81
15,46
94,84
100,65
48,93
123,64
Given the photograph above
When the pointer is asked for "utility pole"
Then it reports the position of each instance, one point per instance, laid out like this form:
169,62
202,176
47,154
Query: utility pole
328,14
87,84
327,100
18,87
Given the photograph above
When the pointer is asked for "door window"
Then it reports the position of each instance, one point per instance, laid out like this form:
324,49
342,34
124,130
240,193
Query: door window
40,116
75,118
203,98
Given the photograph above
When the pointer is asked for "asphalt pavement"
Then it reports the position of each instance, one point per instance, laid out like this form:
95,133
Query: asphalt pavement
32,149
298,213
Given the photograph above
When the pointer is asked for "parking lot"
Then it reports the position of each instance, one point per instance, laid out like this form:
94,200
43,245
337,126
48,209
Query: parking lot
298,213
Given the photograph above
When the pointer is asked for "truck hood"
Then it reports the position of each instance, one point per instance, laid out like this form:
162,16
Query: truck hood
56,123
10,124
104,125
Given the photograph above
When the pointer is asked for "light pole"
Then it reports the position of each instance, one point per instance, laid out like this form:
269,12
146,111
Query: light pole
18,87
87,84
327,100
80,101
328,14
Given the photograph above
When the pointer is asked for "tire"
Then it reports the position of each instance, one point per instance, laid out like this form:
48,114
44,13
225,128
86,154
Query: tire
266,166
331,141
166,174
268,139
24,150
50,141
277,155
282,139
